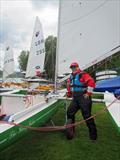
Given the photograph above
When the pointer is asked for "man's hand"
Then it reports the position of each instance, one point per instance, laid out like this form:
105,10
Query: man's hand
68,94
86,96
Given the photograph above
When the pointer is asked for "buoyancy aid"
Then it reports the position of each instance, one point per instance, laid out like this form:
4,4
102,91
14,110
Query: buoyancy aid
76,85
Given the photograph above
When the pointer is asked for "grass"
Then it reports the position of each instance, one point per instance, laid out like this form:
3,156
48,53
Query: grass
98,96
54,145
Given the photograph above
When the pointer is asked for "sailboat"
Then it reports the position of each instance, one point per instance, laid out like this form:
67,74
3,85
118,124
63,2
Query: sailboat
89,33
8,68
37,52
8,82
35,65
26,109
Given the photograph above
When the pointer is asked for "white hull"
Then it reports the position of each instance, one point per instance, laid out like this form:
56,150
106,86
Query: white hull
25,113
114,109
18,107
105,77
27,110
106,72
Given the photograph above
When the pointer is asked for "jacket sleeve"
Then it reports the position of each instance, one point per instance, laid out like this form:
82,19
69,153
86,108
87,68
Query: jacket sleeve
68,88
89,81
68,85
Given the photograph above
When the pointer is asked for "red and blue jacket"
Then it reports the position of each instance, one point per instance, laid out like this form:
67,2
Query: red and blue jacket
80,81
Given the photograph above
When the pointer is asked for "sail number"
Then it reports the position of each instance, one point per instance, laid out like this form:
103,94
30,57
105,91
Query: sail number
40,51
39,42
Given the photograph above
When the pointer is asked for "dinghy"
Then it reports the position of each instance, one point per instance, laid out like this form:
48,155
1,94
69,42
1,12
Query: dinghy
8,83
111,87
26,107
8,69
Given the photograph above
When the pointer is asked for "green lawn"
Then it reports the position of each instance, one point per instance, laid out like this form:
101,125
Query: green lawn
54,145
97,96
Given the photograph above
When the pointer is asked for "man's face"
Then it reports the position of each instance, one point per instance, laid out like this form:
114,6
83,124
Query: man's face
73,68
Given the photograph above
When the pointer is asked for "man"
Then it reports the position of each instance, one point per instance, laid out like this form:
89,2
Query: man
80,86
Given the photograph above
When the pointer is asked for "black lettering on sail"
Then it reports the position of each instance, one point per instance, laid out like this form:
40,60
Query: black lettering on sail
37,33
39,42
37,67
40,52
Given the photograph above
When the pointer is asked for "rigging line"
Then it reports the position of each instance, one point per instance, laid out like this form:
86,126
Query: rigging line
87,14
51,52
58,128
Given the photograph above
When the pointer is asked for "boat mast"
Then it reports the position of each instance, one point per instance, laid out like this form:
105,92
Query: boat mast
57,48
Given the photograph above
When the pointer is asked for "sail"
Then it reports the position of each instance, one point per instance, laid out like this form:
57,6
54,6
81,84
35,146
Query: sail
37,52
87,31
8,66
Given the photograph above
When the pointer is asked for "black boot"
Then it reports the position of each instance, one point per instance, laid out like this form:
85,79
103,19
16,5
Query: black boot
93,134
69,132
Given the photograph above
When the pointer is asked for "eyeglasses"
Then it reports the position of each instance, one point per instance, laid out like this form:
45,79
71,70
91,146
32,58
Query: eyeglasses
72,67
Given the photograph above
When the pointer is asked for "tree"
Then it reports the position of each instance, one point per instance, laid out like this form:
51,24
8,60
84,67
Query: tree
1,73
23,59
110,63
50,57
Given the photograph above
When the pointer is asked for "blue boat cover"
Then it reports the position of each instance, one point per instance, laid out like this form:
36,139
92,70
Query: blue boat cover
110,85
117,92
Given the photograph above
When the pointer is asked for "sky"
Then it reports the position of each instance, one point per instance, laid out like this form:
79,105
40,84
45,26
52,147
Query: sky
17,18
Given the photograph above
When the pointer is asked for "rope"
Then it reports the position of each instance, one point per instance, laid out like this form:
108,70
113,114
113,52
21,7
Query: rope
58,128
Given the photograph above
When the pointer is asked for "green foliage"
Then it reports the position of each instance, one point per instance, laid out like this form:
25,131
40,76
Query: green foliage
114,62
50,46
1,73
23,59
97,96
110,63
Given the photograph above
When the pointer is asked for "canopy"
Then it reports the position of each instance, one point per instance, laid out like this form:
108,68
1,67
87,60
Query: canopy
110,85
